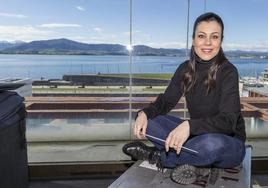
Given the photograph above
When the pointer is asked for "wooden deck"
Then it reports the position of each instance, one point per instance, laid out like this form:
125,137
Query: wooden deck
250,106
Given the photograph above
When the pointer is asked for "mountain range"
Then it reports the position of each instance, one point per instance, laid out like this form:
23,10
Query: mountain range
6,44
69,47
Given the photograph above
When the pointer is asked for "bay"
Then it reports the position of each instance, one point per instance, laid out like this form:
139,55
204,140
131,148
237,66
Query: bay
55,66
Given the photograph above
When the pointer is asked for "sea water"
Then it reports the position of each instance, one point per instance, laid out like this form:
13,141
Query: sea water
39,67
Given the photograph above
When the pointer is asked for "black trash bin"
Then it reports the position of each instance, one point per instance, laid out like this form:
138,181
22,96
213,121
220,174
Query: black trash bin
13,150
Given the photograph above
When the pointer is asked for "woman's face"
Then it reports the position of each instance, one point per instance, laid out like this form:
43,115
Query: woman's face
207,39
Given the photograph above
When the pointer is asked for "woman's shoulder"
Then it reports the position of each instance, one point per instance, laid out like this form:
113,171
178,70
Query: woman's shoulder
228,66
183,65
180,69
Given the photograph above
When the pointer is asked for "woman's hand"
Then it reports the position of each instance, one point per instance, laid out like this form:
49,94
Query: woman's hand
140,125
178,136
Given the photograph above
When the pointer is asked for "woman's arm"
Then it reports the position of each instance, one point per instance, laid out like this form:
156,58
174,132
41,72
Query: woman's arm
162,105
166,101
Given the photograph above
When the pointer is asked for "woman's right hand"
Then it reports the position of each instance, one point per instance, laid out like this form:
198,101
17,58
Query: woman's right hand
140,125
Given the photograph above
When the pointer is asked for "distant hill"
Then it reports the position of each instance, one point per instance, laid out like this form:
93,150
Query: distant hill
69,47
5,44
246,54
146,50
64,46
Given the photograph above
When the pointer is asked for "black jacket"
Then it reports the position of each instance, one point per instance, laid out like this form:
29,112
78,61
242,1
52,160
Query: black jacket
217,112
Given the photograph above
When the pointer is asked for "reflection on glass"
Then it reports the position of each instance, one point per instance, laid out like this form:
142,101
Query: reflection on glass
88,129
77,129
256,127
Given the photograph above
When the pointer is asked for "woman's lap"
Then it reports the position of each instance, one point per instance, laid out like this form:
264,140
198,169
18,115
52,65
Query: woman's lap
213,148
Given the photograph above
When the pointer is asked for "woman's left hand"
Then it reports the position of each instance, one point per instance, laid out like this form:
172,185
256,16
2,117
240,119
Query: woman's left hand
178,136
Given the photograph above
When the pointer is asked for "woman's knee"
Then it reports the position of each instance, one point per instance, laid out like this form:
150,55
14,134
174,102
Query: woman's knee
217,149
155,123
157,127
152,126
209,144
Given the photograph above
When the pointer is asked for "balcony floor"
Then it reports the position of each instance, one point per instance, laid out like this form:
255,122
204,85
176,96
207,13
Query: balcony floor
100,183
258,181
113,152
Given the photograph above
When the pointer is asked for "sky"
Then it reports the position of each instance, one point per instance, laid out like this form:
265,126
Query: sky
156,23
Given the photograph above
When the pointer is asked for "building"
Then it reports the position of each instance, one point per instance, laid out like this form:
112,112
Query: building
265,75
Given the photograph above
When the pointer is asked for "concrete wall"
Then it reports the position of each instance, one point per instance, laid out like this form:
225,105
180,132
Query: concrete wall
99,80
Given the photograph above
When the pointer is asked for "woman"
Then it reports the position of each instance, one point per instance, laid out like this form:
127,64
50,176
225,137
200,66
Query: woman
216,128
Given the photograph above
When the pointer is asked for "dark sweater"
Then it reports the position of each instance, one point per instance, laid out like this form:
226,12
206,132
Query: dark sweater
217,112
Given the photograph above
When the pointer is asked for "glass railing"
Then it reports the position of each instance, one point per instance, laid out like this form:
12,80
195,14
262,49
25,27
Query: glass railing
81,90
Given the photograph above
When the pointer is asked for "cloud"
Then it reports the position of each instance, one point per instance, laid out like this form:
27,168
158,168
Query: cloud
103,38
25,33
164,44
80,8
127,33
97,29
59,25
226,46
12,15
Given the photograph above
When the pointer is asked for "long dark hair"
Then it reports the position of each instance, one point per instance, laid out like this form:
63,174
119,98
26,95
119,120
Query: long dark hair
189,77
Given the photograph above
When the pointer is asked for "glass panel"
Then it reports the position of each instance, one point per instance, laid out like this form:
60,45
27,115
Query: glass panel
66,66
159,37
72,52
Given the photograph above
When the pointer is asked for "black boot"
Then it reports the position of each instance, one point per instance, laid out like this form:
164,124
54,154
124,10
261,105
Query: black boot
188,174
184,174
139,151
214,175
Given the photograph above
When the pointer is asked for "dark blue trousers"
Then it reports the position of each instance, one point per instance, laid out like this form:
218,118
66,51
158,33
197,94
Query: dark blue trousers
215,149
